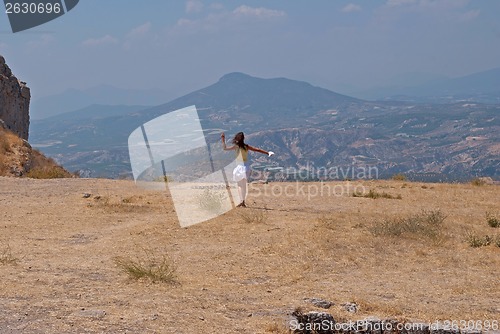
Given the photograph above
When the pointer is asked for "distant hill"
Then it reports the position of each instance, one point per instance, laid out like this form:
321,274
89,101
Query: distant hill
73,99
481,87
305,125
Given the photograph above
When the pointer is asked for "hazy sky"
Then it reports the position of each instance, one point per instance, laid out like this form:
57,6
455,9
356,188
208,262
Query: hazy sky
180,46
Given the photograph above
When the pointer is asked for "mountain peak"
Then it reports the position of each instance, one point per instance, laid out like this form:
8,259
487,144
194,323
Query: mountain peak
235,76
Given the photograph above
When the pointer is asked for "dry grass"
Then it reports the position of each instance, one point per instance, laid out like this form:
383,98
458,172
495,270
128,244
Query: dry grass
48,172
374,195
154,268
26,161
211,200
426,224
478,182
6,256
492,220
399,177
243,276
277,328
253,216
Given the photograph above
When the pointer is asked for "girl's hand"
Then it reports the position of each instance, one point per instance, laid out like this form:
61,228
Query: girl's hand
222,135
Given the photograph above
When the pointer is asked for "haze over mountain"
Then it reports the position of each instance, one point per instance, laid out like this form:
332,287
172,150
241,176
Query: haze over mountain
481,87
74,99
304,125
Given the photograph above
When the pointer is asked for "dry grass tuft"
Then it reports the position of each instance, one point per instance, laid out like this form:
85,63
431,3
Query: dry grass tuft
277,328
253,217
399,177
373,194
131,204
492,220
476,241
159,269
6,256
424,224
212,200
327,222
478,182
48,172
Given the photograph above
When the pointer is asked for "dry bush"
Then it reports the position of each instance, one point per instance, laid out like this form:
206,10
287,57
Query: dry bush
374,195
212,200
7,140
277,328
327,222
6,256
492,220
399,177
424,224
476,241
132,204
478,182
253,216
48,172
155,268
45,168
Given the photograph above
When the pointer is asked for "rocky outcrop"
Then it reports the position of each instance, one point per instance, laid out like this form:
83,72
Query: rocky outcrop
14,102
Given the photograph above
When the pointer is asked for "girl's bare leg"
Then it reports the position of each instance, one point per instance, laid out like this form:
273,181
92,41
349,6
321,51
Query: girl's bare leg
242,190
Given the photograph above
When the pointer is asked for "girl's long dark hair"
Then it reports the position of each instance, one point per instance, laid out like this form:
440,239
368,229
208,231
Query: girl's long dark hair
239,140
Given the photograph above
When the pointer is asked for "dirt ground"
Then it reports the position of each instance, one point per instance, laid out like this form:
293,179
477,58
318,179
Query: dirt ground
245,271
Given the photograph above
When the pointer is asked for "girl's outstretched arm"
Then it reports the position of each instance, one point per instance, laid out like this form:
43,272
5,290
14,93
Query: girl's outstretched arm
256,149
223,138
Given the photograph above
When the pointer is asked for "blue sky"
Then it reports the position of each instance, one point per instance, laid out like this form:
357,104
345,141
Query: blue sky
180,46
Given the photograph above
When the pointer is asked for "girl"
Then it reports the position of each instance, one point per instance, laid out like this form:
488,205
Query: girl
242,172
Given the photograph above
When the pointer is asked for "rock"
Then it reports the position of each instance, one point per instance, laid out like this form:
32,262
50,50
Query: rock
312,322
95,314
321,303
14,102
86,195
350,307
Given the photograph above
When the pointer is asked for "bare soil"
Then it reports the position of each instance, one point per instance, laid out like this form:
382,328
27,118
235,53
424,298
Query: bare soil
242,272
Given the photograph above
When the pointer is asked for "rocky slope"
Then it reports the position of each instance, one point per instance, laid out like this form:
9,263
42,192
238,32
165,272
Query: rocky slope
17,157
14,101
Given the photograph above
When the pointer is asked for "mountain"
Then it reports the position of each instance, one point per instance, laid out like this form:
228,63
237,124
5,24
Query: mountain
483,87
305,125
73,99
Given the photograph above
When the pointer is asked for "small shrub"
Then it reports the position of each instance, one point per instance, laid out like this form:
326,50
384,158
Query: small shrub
277,328
399,177
155,269
211,200
52,172
476,241
6,256
163,178
492,220
497,241
374,195
478,182
253,216
426,224
327,222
